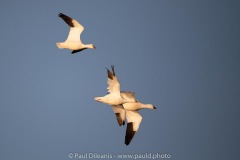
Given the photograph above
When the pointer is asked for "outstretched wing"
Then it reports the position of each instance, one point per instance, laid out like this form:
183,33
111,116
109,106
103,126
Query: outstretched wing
113,83
120,114
75,28
79,50
134,119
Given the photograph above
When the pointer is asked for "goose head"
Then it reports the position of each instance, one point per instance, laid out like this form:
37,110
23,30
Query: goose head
92,46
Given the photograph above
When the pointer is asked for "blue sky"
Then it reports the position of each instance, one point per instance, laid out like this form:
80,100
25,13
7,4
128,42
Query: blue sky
181,56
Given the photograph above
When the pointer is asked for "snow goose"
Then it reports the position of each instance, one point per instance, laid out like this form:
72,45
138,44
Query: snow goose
114,96
129,111
124,105
73,41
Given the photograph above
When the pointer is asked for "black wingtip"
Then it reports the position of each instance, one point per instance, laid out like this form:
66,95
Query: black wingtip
79,50
110,75
119,119
61,14
154,107
129,133
75,51
112,66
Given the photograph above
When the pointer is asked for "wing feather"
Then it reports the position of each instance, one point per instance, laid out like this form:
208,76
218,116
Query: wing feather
75,28
128,95
113,83
134,119
120,114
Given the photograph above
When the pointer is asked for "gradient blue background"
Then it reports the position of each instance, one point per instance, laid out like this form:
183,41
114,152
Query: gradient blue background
182,56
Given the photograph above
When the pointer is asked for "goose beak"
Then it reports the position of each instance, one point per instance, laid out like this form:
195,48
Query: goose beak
98,99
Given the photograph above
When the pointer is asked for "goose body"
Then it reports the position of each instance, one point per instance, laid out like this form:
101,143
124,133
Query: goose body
73,41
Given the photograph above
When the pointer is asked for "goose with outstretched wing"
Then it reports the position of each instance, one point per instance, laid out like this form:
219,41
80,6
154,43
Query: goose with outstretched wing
73,41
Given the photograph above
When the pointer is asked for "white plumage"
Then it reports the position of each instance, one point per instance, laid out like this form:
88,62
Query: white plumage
114,96
129,111
124,105
73,41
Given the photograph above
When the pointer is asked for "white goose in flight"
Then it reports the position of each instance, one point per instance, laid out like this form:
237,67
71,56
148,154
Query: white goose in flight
73,41
124,105
129,111
114,97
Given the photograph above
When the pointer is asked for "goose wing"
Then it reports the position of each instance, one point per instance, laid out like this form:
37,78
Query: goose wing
120,114
128,95
113,83
75,28
134,119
